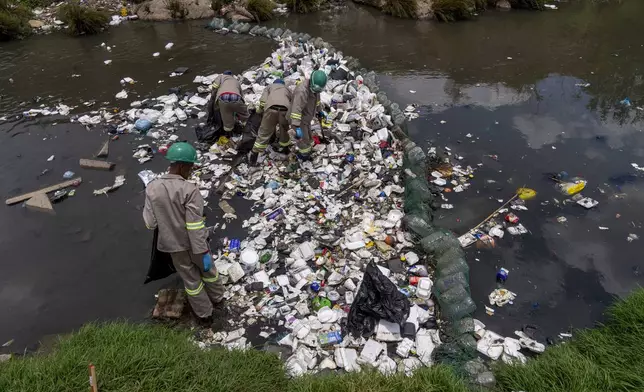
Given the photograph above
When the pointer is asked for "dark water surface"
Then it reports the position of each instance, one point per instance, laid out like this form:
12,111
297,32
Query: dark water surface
87,262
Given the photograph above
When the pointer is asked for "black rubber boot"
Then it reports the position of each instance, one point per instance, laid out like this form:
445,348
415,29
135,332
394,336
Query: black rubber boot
252,158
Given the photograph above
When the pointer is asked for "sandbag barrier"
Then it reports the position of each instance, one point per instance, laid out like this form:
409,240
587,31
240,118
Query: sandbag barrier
440,247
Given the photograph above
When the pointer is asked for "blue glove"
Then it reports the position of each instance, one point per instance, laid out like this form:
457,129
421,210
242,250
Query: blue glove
207,262
298,133
322,114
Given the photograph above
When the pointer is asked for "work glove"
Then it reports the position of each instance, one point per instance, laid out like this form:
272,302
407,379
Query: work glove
207,262
298,133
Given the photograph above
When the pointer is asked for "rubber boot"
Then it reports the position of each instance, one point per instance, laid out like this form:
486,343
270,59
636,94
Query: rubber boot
252,158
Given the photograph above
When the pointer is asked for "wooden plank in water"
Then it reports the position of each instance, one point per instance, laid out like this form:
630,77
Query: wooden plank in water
52,188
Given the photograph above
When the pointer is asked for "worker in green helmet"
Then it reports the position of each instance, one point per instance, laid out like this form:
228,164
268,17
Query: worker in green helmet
306,104
174,206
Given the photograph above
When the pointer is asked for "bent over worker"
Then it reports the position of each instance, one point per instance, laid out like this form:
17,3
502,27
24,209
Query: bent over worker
175,207
276,98
306,104
226,94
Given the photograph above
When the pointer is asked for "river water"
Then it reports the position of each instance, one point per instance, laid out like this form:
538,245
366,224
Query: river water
513,81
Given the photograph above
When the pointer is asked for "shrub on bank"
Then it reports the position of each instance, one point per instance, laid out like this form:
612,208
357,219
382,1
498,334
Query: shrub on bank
13,21
176,8
262,10
453,10
400,8
81,19
302,6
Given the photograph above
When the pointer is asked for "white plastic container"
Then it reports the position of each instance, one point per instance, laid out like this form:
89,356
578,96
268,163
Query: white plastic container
249,259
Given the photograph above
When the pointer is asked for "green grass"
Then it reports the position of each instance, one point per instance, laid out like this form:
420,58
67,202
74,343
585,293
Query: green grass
82,19
13,20
262,10
400,8
607,358
154,358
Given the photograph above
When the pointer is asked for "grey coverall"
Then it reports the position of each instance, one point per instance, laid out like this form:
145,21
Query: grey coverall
226,94
305,105
175,206
276,98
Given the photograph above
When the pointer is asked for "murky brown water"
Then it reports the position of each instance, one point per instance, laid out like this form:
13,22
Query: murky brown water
510,79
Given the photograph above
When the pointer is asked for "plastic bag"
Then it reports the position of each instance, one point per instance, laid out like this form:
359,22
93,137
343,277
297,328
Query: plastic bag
160,262
378,298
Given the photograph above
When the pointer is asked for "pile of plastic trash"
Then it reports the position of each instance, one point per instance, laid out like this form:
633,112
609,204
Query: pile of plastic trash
327,269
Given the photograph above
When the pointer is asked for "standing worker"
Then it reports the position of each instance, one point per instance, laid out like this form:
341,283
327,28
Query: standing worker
226,94
306,102
276,98
175,207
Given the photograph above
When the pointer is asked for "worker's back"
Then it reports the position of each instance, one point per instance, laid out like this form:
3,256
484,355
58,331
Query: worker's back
176,205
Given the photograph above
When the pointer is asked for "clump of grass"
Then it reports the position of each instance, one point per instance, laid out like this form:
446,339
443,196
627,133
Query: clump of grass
153,358
608,358
453,10
262,10
302,6
177,10
81,19
13,21
400,8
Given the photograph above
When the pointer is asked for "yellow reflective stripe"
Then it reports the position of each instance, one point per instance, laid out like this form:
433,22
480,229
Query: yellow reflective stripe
211,280
305,150
196,225
285,144
260,145
149,228
196,291
317,103
296,116
215,85
261,104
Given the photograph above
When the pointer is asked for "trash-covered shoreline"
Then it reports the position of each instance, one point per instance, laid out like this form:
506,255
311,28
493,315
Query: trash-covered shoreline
363,204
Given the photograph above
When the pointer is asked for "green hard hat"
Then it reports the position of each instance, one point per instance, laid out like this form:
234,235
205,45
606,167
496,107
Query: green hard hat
182,152
318,81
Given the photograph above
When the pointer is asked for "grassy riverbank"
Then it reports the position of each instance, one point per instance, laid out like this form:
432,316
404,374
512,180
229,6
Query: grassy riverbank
151,358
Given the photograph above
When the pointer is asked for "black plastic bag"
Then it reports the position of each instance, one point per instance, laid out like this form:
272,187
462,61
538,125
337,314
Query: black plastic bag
249,133
160,262
378,298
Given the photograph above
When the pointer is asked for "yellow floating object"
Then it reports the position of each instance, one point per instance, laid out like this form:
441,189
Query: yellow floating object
526,193
573,188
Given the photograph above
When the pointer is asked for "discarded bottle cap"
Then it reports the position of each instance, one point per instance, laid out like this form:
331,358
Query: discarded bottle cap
315,286
350,158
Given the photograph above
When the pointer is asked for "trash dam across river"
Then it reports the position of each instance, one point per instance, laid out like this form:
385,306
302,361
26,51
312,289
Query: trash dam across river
517,95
